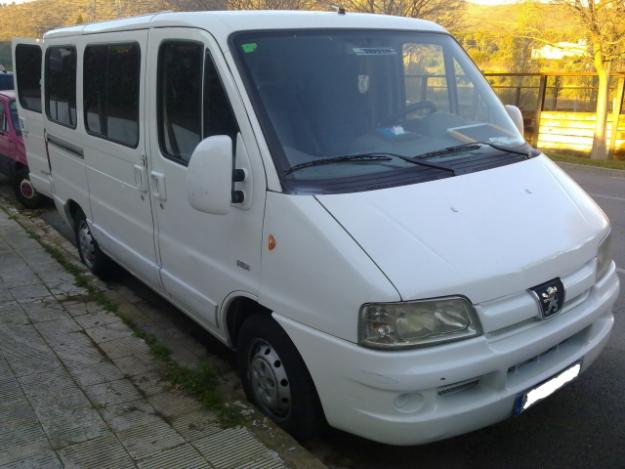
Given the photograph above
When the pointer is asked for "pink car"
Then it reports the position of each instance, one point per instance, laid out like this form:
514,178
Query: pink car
12,153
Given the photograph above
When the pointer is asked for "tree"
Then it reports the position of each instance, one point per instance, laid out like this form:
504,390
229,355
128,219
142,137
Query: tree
603,25
446,12
272,4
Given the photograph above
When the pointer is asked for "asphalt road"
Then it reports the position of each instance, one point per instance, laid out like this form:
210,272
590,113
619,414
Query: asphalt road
583,425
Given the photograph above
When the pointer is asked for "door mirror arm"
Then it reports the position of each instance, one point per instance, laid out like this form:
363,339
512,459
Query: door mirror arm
238,175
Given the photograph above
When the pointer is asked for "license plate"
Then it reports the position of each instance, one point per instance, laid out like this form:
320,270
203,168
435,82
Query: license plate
546,388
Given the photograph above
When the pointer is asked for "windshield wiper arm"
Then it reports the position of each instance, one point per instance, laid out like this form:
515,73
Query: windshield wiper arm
423,163
506,149
339,159
472,146
376,156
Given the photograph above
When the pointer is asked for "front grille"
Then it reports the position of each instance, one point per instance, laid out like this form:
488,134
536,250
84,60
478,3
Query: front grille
458,387
535,361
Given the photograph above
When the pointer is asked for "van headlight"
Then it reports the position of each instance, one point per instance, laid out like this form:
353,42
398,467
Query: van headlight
416,323
603,257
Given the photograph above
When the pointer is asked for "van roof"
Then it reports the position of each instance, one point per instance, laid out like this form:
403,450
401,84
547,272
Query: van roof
222,23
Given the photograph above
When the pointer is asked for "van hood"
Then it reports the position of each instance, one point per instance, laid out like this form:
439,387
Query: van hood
484,235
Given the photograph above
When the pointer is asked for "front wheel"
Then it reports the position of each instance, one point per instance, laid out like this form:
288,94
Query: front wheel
25,192
275,377
90,254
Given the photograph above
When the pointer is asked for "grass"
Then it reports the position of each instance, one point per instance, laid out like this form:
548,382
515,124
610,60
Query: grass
572,157
200,381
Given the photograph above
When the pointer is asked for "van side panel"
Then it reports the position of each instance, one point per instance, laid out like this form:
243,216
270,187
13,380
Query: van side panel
64,142
27,57
204,257
114,156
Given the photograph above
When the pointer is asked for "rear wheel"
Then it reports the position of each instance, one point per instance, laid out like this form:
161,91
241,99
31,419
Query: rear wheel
275,377
25,192
90,254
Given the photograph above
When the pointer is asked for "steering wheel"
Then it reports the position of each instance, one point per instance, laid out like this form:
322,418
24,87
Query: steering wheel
428,106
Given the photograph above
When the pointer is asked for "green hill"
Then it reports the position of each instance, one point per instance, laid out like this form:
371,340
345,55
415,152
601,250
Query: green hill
33,19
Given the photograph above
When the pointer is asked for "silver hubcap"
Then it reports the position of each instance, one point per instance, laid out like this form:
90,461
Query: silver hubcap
269,381
86,244
26,189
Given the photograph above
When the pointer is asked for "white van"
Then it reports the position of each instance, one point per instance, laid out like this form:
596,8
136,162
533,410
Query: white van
339,197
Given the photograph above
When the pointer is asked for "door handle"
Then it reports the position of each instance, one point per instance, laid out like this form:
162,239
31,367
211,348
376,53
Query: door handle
157,181
140,178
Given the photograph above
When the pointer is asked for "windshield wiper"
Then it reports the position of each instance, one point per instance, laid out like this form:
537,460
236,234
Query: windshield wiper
339,159
381,156
473,146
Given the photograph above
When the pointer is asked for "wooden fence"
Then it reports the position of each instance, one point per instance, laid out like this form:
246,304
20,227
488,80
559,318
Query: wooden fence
575,130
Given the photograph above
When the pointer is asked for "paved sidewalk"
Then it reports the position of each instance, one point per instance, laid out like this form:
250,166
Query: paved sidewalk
77,389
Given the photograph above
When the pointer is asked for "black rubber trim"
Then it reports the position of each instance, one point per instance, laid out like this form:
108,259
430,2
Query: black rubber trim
70,148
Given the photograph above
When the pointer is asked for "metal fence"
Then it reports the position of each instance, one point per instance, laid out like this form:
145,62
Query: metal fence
535,93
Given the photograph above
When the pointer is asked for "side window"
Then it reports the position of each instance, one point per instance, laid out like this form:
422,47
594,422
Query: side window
424,75
28,66
192,103
3,118
471,105
61,85
218,116
179,99
111,92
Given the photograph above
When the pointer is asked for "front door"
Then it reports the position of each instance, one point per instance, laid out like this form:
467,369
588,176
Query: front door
27,58
114,142
204,257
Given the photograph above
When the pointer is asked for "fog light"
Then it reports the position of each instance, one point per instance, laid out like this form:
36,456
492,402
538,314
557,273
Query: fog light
409,402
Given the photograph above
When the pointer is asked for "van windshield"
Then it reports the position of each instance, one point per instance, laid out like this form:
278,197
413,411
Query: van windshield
338,106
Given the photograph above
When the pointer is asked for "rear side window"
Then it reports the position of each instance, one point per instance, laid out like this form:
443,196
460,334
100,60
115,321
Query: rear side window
192,103
28,66
61,85
111,92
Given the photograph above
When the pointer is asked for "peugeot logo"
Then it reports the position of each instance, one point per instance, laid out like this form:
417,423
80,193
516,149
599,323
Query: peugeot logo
549,296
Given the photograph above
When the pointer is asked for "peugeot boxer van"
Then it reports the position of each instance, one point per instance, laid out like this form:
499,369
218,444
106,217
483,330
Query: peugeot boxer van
340,198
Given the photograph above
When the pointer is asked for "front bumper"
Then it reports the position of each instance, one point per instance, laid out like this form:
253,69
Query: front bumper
423,395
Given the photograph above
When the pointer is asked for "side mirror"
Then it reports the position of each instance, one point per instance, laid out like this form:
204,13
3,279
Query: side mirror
209,175
517,117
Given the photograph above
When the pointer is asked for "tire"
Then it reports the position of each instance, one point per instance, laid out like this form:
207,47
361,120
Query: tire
286,393
25,192
90,254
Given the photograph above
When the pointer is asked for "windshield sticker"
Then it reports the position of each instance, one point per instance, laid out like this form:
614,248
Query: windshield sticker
249,47
374,51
